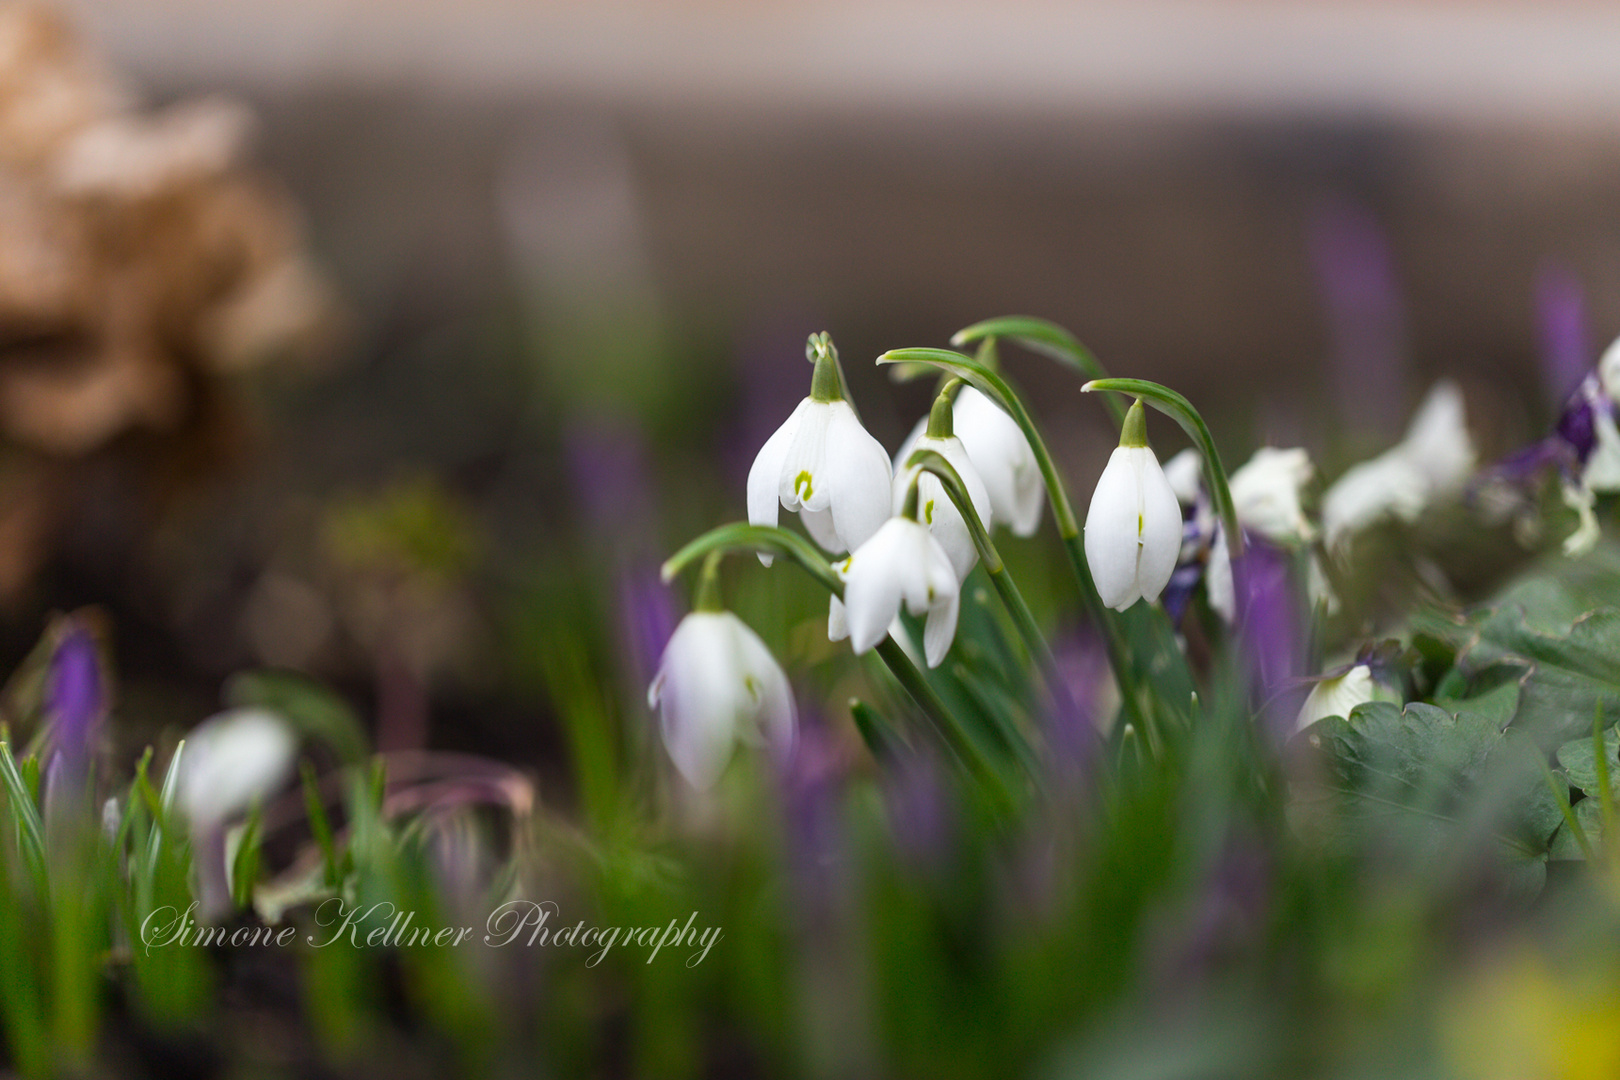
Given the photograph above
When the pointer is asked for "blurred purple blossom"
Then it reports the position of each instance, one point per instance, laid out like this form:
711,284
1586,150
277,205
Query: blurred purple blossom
1082,665
772,378
811,788
917,798
1566,349
1355,271
75,695
1269,626
647,619
607,464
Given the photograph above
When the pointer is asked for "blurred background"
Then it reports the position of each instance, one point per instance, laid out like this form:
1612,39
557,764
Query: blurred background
428,312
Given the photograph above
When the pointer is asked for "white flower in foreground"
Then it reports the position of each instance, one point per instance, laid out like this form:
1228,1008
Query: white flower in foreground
232,761
717,682
935,508
903,564
1434,460
997,447
1339,695
1266,495
822,463
1133,529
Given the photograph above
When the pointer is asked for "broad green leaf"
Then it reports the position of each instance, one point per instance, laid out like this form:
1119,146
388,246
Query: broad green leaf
1436,783
1579,760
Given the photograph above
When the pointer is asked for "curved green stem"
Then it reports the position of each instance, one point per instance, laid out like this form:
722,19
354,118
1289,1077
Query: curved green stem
770,540
934,462
1047,338
993,386
1182,412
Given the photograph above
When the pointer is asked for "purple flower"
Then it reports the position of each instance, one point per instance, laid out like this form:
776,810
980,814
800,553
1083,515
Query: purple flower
1566,350
1355,270
75,694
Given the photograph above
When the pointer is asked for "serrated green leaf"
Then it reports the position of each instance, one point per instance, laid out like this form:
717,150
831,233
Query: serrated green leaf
1565,846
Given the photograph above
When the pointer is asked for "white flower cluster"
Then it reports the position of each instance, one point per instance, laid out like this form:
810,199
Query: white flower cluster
905,544
906,547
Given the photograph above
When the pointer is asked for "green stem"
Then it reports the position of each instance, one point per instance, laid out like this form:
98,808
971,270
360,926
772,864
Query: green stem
1047,338
1182,412
775,541
934,462
993,386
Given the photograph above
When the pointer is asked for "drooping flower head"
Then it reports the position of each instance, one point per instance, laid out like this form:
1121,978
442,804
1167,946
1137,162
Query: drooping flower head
902,565
822,464
1133,528
232,761
717,683
934,506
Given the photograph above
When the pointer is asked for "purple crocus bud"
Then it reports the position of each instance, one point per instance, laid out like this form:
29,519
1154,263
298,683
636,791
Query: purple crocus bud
917,798
75,695
1566,348
1355,270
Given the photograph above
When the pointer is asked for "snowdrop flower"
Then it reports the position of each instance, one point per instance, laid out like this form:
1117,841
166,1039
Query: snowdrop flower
1338,695
823,464
716,683
1434,460
231,762
1000,455
1266,495
935,508
903,564
999,451
1133,529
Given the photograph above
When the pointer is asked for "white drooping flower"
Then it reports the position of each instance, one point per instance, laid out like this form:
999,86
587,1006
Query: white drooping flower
935,507
716,683
902,565
1133,528
823,464
1001,454
1434,460
1266,495
1338,695
230,762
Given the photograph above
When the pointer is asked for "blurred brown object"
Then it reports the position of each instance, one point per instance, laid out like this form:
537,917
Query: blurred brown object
140,259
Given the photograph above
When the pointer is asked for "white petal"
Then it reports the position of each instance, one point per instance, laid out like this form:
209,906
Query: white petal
1266,494
1111,533
1185,472
1003,459
909,447
231,761
701,696
837,620
819,524
1338,696
773,715
765,475
1160,526
940,628
857,478
1581,499
873,583
1602,470
1609,370
1388,485
802,483
1437,440
1218,584
938,511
